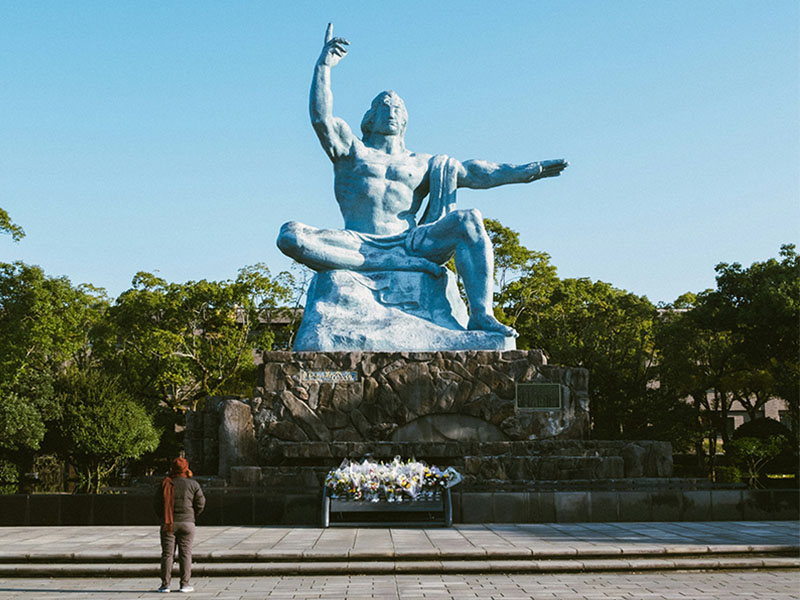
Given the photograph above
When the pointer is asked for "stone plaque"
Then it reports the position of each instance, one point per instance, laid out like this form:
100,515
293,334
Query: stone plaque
328,376
538,396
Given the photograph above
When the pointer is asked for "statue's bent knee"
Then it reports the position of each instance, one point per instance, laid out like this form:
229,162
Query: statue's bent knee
471,222
290,238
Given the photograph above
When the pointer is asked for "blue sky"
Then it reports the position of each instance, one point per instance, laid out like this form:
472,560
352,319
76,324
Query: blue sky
173,137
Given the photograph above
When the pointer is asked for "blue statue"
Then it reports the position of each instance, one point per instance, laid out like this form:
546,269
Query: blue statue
380,186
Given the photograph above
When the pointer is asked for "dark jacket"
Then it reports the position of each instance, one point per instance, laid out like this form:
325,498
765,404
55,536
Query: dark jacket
189,500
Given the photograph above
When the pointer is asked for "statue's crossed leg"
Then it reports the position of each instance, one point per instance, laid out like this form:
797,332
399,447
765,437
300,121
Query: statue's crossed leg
425,248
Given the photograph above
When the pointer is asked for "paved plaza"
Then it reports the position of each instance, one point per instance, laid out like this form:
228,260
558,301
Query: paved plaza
642,561
494,540
719,585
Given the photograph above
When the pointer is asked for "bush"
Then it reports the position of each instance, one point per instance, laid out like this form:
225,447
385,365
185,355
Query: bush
103,426
762,429
728,475
766,429
9,477
753,454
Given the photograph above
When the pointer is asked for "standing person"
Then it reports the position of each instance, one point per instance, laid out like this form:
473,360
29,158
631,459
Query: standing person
177,501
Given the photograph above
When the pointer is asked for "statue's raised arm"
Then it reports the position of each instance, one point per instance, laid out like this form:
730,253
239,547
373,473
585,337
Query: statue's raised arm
334,134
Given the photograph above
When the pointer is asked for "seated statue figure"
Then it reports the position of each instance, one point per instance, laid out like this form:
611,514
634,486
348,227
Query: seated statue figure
380,186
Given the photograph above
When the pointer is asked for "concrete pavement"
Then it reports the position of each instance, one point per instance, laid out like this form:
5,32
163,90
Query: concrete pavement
133,551
719,585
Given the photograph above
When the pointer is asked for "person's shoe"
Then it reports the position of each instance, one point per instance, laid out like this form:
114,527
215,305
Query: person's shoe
186,589
164,589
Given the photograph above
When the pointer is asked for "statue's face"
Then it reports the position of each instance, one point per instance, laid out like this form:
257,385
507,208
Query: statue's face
389,117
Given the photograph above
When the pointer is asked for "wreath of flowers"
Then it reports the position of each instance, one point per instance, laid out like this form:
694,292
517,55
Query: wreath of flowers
395,481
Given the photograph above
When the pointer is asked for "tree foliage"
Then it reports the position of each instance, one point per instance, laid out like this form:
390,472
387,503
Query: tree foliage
176,343
693,363
102,424
45,324
735,343
583,323
86,379
760,307
524,280
21,424
610,332
752,454
8,226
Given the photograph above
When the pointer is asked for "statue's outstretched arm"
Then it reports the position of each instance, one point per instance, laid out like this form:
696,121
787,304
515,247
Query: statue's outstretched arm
334,134
481,174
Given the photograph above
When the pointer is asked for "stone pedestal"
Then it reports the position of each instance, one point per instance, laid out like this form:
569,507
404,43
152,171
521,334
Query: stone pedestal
416,396
389,311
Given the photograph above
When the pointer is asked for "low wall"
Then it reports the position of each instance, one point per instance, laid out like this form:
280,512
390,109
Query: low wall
241,507
485,464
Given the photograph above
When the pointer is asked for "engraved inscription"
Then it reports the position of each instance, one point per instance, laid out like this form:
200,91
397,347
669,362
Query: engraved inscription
538,396
328,376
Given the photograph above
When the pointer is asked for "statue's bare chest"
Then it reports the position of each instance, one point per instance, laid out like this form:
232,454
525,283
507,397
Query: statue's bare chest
406,169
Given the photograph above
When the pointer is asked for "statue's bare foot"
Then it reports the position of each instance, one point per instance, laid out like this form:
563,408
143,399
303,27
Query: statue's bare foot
431,268
396,259
487,322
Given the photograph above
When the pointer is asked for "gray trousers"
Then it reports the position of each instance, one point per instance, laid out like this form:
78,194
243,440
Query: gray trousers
183,534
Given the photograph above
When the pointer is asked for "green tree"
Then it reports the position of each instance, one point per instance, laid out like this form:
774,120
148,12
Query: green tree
695,360
21,431
752,455
175,344
590,324
610,332
102,425
8,226
21,424
760,307
287,319
738,342
524,280
44,323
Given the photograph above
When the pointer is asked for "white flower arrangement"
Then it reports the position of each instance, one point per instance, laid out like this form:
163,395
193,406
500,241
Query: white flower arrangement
396,481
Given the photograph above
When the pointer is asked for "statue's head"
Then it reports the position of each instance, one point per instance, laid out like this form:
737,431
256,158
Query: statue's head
386,115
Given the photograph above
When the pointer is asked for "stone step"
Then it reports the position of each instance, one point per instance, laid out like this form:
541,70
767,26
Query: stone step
482,461
274,555
305,566
475,469
388,450
491,472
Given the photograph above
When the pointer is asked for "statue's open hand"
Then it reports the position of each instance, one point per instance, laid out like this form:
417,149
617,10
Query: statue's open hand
547,168
334,49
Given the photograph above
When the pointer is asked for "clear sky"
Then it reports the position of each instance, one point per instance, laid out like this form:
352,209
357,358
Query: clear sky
173,137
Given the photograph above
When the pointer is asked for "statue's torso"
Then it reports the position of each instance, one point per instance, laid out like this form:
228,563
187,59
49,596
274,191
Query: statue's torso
380,193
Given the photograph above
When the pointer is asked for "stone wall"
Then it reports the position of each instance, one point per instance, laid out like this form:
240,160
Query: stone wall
264,507
414,396
312,410
484,465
